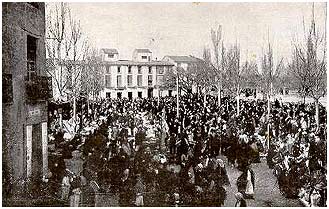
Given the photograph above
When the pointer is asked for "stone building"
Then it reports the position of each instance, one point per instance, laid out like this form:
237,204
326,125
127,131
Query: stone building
25,91
141,77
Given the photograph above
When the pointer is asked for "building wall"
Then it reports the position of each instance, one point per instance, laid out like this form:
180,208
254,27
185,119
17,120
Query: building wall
134,88
138,57
105,57
20,20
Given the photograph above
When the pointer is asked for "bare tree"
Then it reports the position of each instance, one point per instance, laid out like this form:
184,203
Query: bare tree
66,49
216,37
79,46
269,75
92,81
232,72
206,74
250,75
56,45
186,77
309,66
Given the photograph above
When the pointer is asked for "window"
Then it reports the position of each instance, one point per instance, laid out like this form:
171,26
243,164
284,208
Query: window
31,57
34,4
160,69
108,69
144,57
119,81
119,69
160,79
150,70
108,81
139,69
140,95
150,80
110,55
139,80
129,69
130,80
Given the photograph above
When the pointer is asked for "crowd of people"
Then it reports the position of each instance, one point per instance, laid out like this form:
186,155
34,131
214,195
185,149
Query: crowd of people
148,155
298,149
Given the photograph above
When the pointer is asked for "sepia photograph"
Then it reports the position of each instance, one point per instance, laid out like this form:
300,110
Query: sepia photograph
171,104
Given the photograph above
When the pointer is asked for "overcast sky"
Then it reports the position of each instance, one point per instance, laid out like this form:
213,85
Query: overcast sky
184,28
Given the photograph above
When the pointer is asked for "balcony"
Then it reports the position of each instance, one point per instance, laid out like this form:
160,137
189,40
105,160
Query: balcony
38,88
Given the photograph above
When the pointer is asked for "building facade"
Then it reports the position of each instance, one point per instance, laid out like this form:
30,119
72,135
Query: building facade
140,77
25,91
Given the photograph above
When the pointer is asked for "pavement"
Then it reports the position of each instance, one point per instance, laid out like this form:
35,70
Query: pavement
267,192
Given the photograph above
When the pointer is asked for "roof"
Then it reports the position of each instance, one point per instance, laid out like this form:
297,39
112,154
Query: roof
186,59
131,63
110,51
142,51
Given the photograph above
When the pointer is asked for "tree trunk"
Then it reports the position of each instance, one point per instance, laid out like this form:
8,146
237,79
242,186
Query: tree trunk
317,116
158,97
204,99
268,119
74,109
177,96
61,120
238,102
88,106
81,117
219,95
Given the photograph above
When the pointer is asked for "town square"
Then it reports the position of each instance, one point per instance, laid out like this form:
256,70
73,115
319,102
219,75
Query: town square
172,104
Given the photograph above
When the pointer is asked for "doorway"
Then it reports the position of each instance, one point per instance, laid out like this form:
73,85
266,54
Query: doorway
150,92
170,93
108,95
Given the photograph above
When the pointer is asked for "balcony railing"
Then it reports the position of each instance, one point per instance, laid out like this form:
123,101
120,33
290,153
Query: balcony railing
38,88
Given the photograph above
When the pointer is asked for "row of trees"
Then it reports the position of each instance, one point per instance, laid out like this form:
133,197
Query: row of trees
72,62
227,73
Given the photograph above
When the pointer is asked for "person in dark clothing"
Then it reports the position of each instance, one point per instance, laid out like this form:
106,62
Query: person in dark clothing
140,137
172,144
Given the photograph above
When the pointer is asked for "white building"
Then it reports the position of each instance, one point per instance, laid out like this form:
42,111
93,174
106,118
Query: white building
109,54
140,77
142,55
